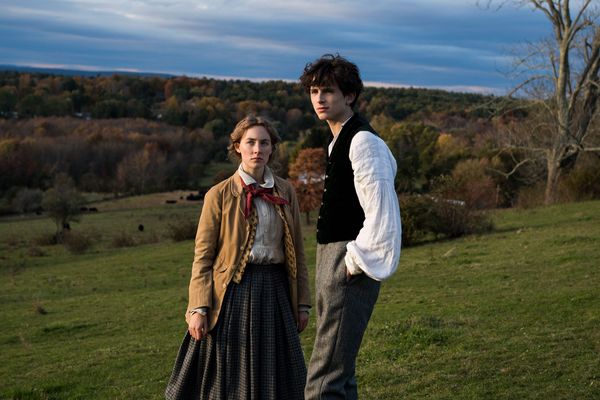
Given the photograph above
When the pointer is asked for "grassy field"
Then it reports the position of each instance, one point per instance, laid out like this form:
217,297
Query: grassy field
514,314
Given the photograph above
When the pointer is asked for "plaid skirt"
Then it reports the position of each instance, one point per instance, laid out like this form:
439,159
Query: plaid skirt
254,350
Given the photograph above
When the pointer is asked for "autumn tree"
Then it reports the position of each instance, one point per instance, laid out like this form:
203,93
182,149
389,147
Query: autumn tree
144,171
561,77
63,203
307,174
413,146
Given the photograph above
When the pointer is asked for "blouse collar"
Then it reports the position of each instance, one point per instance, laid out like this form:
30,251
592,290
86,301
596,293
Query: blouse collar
249,180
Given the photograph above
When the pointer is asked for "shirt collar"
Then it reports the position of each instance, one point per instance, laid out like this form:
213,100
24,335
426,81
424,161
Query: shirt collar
330,147
249,180
344,123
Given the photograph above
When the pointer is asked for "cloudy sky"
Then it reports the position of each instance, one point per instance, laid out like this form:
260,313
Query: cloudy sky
449,44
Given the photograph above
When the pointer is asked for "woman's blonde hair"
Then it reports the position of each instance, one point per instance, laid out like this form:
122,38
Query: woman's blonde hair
241,128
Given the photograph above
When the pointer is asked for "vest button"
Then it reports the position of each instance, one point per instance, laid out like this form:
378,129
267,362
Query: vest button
224,285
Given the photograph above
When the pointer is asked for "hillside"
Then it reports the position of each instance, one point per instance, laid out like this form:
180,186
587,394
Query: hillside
509,315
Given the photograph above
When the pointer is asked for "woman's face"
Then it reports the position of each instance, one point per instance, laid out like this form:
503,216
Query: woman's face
255,149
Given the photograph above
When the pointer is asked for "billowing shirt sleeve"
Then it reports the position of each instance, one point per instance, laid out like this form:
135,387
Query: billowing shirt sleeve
376,250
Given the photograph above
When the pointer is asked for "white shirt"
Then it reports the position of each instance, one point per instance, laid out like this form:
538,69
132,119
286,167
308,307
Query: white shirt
268,242
376,249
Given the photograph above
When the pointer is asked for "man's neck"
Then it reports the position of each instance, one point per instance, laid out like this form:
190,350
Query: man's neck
337,125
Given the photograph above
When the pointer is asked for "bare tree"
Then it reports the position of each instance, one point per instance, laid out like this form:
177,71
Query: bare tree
561,77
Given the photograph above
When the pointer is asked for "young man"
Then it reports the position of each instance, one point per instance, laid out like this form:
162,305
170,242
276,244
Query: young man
358,230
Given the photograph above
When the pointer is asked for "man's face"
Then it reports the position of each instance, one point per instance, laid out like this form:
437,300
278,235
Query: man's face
330,104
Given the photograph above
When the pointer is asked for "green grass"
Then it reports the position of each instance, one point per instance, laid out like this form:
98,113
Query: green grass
514,314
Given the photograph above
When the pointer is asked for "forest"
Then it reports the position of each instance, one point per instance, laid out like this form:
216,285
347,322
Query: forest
135,134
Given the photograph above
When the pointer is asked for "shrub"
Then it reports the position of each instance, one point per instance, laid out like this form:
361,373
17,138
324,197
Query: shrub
122,239
415,211
583,182
13,241
149,238
76,243
531,196
471,184
434,214
182,230
35,251
453,217
46,239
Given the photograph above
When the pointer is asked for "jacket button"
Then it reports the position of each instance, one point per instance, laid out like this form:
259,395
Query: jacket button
241,247
224,285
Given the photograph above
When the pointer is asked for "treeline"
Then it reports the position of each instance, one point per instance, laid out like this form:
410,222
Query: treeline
110,155
101,129
133,134
205,103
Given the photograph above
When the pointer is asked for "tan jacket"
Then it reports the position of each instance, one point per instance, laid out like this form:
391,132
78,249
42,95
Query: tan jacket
221,237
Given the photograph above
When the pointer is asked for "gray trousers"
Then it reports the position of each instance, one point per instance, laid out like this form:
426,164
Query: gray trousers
343,312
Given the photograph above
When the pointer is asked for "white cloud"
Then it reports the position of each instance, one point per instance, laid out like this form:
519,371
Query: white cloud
447,41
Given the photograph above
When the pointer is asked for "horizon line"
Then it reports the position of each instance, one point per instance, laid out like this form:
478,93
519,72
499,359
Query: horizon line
482,90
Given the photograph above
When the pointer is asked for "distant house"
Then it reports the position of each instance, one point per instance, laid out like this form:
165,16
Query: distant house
305,178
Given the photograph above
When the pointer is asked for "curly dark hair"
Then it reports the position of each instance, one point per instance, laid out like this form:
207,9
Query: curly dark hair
333,70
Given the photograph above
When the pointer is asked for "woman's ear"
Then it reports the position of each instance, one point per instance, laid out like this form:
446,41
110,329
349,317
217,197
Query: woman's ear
236,146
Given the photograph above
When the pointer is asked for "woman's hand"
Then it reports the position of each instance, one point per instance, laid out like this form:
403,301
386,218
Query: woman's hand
302,320
198,326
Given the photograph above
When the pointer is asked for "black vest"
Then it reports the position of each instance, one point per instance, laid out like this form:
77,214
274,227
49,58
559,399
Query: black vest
341,217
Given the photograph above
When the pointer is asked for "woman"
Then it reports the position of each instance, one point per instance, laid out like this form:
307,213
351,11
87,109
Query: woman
248,294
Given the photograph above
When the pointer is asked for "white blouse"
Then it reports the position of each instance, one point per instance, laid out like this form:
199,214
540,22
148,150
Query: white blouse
268,242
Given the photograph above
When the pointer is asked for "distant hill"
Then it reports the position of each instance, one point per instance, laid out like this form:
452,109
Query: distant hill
75,72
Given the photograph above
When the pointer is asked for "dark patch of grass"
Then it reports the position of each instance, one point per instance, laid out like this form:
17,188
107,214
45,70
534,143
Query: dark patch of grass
50,392
39,309
68,329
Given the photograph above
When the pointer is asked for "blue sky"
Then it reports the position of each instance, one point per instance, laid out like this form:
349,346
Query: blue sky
448,44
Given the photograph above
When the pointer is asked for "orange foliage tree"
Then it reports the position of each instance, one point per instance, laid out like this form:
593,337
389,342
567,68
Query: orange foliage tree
307,174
